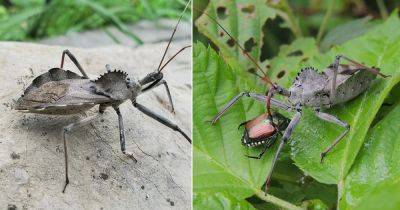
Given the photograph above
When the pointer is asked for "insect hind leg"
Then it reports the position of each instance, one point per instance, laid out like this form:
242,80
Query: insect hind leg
74,60
66,130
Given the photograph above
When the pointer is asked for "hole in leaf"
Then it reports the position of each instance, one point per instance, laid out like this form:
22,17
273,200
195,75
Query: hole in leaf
221,12
273,34
248,9
231,42
249,44
295,53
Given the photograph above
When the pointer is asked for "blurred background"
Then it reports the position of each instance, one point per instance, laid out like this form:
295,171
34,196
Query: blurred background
331,22
105,22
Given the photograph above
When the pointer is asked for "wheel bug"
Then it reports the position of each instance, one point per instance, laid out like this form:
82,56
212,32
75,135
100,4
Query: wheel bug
62,92
337,84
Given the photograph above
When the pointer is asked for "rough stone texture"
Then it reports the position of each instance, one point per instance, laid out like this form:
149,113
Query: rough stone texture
147,31
31,151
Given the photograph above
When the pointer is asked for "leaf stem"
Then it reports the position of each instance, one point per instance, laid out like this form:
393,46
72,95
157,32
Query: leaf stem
382,9
274,200
325,21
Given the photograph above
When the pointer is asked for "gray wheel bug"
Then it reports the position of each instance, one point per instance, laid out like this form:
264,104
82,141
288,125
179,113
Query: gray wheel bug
62,92
337,84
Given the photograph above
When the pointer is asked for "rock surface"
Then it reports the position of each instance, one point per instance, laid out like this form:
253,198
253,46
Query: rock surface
101,177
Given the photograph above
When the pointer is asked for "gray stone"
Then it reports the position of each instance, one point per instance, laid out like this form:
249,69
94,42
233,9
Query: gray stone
35,180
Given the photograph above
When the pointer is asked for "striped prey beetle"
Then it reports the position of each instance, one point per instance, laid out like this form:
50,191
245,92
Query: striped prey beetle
63,92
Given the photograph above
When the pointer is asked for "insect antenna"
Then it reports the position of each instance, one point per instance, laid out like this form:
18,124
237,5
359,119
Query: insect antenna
173,57
265,77
172,36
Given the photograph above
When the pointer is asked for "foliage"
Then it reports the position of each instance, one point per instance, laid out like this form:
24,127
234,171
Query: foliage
358,174
35,19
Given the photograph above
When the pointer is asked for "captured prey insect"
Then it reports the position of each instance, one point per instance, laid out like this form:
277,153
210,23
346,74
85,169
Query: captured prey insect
62,92
337,84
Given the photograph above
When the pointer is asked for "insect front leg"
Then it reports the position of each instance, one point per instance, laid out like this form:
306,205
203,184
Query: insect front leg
74,60
68,129
160,119
332,119
285,137
163,82
255,96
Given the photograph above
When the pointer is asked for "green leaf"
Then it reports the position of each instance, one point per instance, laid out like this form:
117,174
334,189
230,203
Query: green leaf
219,201
219,164
243,19
346,31
384,196
378,160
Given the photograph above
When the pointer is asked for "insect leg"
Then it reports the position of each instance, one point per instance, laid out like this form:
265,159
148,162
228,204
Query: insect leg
332,119
335,67
255,96
160,119
66,130
163,82
359,65
285,137
122,133
261,154
74,60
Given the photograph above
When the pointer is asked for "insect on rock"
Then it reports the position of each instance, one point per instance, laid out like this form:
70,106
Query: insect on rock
62,92
337,84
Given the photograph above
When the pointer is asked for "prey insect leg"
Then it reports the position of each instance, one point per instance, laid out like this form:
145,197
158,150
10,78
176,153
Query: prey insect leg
261,154
255,96
160,119
74,60
285,137
163,82
332,119
66,130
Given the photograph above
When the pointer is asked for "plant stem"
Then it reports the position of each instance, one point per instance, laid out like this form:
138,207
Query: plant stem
382,9
289,16
325,21
274,200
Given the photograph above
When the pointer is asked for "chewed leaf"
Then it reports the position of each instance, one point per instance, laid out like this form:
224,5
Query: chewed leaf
244,21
